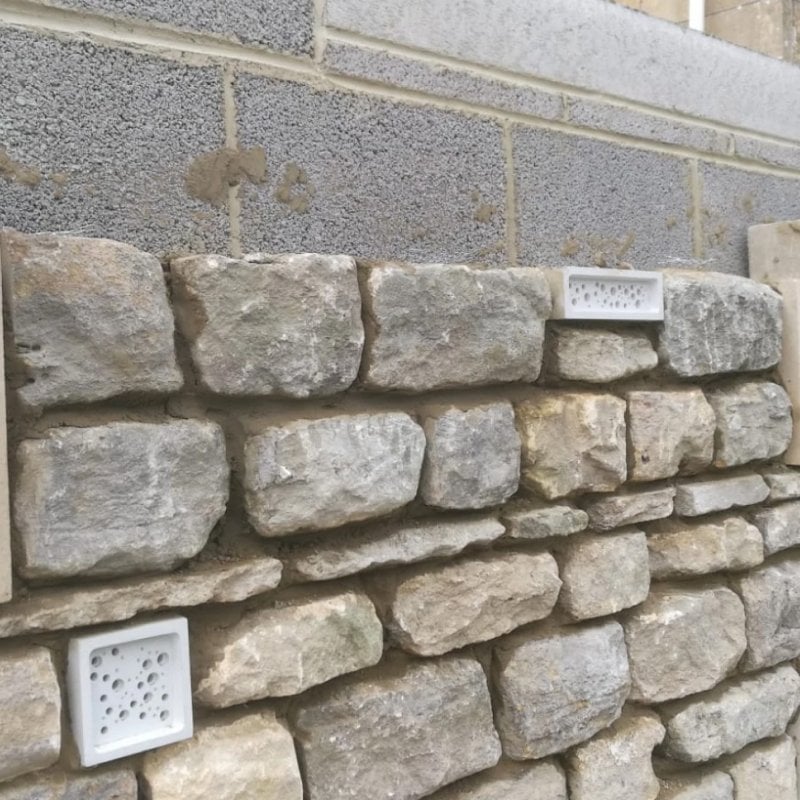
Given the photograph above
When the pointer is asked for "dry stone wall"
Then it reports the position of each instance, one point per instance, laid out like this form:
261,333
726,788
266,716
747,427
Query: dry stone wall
430,543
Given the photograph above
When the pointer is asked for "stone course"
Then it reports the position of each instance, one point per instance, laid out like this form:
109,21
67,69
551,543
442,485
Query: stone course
115,784
692,499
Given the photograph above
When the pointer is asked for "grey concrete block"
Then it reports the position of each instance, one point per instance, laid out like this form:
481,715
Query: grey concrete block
371,178
781,155
98,141
583,201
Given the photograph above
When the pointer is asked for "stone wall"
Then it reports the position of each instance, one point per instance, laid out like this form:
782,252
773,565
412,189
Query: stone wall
430,543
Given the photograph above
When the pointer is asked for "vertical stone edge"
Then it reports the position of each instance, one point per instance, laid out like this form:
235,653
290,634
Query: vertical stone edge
5,516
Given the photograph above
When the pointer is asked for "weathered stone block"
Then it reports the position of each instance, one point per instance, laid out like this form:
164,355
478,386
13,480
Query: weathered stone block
603,574
670,433
90,319
779,525
510,780
697,786
682,641
30,736
118,498
439,325
283,649
271,325
472,459
730,717
783,482
716,323
766,769
251,757
629,508
555,690
754,422
118,784
400,733
572,442
316,474
532,520
719,494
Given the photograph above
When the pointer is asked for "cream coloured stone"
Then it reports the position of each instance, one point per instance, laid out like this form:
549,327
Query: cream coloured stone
697,497
697,786
629,508
115,784
765,770
511,780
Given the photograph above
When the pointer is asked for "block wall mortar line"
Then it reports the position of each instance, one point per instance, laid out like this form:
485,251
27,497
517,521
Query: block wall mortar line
320,31
232,142
511,196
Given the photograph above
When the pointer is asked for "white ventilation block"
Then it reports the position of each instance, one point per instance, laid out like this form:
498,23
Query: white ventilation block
612,294
130,689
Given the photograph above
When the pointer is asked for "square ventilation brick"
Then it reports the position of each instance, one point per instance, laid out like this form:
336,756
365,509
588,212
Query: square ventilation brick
130,689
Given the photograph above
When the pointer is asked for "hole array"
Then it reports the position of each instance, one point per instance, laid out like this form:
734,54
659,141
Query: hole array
608,294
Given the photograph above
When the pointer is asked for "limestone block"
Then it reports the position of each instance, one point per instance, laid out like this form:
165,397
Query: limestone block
670,432
90,319
754,422
617,763
511,780
400,732
730,717
783,482
118,784
683,640
715,323
436,325
472,459
30,736
572,443
779,525
283,649
251,758
557,689
531,520
718,494
765,770
317,474
430,610
697,786
603,574
119,498
271,325
629,508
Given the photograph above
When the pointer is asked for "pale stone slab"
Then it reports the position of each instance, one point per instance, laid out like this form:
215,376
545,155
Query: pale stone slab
430,610
629,508
532,520
402,731
783,482
695,498
765,770
117,784
779,525
555,690
700,786
511,780
318,474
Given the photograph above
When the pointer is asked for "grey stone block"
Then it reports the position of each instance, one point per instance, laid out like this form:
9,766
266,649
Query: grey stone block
100,141
583,201
719,494
766,769
779,525
118,784
375,179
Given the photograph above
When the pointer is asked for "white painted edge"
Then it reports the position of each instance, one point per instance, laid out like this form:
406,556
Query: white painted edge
5,511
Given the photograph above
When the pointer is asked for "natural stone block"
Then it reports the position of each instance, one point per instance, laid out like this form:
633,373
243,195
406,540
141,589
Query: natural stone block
719,494
90,319
283,649
716,323
472,459
557,689
730,717
754,422
766,769
317,474
603,574
670,432
779,525
683,640
30,736
511,780
538,521
572,442
118,784
251,757
118,498
697,786
629,508
271,325
597,355
681,549
431,610
783,482
400,732
617,763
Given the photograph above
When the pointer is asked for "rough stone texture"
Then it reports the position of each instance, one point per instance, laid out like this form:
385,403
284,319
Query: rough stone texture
682,641
629,508
719,494
30,736
779,525
119,498
572,442
271,325
339,554
90,319
681,549
430,610
472,459
765,770
670,433
119,784
251,757
538,521
542,780
617,763
400,733
316,474
603,574
555,690
754,421
701,786
717,323
783,482
730,717
282,650
436,325
596,355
